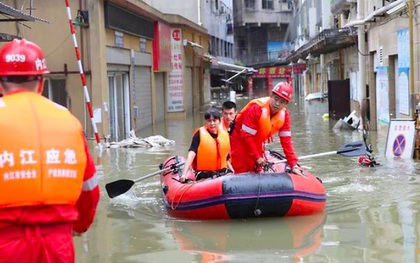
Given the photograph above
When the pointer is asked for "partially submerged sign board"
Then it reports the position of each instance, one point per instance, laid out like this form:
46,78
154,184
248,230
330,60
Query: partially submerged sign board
400,139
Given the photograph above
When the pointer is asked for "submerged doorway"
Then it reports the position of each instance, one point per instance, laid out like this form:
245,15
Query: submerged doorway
119,105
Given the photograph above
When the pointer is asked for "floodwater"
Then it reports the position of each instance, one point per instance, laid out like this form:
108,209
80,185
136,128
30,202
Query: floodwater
372,214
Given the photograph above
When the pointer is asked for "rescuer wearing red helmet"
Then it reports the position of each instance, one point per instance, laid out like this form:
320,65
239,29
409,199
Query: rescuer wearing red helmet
255,124
48,187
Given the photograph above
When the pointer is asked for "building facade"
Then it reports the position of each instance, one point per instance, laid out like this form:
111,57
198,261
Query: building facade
217,17
262,38
138,66
364,49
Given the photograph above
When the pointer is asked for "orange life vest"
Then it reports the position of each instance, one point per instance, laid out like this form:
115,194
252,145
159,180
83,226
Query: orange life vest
268,125
211,152
42,156
224,125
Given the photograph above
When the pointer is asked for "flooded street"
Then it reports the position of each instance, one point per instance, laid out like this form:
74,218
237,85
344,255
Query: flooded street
372,214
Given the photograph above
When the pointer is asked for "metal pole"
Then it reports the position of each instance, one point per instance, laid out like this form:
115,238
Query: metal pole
411,31
82,74
361,54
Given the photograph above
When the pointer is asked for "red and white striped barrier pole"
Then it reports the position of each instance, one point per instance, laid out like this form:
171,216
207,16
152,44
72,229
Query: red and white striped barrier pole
82,75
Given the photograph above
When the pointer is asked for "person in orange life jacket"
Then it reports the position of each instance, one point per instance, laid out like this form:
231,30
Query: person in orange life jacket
210,147
228,115
256,123
48,188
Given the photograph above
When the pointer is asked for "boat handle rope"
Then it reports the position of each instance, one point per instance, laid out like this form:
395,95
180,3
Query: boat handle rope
175,204
257,212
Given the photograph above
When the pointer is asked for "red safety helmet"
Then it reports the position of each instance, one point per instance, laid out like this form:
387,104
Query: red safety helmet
22,58
284,90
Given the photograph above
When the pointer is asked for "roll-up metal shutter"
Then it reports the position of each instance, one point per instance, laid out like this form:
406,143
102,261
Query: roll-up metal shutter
142,97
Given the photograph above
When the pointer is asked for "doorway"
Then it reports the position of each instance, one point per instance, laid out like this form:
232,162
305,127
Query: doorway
338,98
119,105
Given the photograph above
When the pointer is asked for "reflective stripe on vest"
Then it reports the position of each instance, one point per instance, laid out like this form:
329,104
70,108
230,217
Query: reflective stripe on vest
285,134
249,130
90,184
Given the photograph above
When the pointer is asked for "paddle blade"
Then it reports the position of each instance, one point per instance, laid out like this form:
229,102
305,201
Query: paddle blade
352,149
118,187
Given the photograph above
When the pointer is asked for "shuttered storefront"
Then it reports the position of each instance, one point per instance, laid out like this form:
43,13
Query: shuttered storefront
142,96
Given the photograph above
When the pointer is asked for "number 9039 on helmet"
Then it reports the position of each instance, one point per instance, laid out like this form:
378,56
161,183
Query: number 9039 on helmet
22,58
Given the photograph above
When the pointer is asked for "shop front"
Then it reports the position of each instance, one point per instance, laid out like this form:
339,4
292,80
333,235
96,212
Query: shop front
267,77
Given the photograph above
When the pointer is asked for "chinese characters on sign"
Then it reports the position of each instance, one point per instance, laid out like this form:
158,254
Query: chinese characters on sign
175,95
405,127
23,165
119,39
280,72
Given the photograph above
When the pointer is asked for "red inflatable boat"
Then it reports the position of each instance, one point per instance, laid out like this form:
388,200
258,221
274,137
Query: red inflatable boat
275,193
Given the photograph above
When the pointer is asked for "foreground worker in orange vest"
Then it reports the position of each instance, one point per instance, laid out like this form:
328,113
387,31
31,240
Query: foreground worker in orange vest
209,150
48,187
255,124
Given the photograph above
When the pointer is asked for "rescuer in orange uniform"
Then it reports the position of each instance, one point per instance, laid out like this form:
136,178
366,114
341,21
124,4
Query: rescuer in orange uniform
48,187
210,147
255,124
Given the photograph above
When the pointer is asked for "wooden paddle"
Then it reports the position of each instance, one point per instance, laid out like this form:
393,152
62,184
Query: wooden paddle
119,187
349,150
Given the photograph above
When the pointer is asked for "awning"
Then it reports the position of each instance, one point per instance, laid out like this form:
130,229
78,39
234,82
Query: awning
329,40
238,70
227,66
13,14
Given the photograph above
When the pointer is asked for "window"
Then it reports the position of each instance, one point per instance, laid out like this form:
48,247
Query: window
249,4
55,90
267,4
215,6
229,28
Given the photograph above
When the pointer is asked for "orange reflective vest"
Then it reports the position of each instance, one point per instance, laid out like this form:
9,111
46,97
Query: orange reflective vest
268,125
42,155
212,152
224,125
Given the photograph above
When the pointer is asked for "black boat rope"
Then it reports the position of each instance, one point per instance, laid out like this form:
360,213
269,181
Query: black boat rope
257,211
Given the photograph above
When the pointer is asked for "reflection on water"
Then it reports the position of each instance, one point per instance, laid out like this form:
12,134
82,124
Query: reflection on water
372,214
250,240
